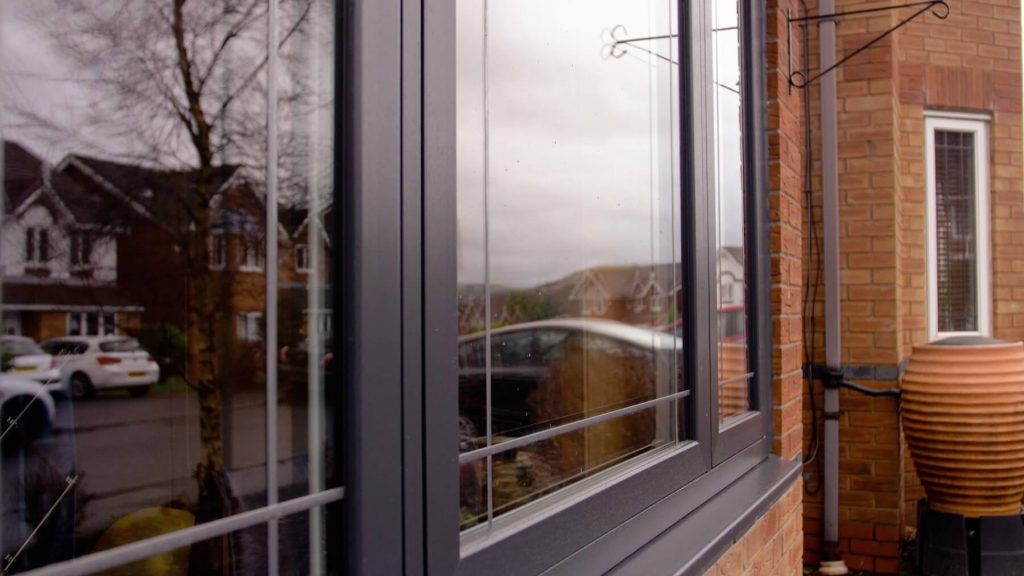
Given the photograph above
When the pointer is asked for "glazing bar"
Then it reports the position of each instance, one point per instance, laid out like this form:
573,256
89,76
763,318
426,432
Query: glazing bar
492,449
143,549
271,263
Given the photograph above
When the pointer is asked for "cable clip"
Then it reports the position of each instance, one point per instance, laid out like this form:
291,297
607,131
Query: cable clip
832,378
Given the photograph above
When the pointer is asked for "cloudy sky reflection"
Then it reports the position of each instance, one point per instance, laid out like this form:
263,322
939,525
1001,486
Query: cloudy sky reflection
580,148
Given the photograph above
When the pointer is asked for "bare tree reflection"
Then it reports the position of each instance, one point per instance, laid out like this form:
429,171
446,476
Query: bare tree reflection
180,87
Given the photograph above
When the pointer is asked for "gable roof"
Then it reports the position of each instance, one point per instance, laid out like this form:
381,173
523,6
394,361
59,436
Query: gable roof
736,252
86,208
295,220
160,194
22,174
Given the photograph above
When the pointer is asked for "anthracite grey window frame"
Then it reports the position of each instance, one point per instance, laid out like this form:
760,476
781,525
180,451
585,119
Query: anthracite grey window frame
398,330
756,423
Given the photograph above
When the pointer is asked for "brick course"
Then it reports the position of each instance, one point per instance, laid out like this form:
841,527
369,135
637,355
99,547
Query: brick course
772,546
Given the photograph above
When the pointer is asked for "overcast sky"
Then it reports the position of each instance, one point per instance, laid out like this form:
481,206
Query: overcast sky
581,169
34,75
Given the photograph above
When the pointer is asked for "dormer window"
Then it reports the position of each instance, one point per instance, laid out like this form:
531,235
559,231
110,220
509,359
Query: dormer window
37,245
80,249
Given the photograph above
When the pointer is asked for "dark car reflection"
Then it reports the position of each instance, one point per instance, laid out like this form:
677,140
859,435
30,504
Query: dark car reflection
553,372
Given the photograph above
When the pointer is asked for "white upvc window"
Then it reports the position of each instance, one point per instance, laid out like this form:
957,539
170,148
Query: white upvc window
302,258
91,323
37,245
218,250
80,246
248,326
958,238
250,255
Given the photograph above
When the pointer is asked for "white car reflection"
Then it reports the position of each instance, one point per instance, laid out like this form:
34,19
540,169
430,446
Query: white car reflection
27,410
22,356
531,373
91,363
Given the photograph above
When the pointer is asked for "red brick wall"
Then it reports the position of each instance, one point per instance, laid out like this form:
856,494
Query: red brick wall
772,546
969,62
785,175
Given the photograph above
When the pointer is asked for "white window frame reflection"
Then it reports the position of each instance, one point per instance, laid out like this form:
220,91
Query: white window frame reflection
218,250
78,323
81,245
251,254
38,242
302,258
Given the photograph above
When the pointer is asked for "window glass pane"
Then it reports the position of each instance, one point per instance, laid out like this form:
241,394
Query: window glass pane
44,245
30,245
151,126
955,234
109,323
307,374
569,243
729,167
74,324
92,324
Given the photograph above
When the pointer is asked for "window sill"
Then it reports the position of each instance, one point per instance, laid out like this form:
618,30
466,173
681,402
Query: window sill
703,529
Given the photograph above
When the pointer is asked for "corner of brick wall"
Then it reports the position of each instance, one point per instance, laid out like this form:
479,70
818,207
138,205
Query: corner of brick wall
970,62
772,546
775,543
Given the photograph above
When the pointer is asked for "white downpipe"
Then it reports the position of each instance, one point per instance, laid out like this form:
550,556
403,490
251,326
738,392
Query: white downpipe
832,562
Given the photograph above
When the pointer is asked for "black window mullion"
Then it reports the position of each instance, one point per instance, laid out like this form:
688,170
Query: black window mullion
757,423
370,281
704,227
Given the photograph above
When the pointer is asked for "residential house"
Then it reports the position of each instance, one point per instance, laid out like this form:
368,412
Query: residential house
304,265
60,255
638,295
157,208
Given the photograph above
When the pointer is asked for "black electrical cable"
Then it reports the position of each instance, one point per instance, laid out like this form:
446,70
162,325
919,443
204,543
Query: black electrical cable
810,295
874,392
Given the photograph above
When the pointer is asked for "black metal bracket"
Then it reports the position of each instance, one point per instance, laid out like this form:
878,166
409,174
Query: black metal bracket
798,79
834,379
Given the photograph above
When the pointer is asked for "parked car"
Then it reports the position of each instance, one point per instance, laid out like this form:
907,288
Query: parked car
92,363
533,386
22,356
549,373
27,410
293,364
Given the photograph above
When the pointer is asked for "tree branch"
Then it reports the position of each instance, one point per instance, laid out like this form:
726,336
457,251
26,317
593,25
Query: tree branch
233,32
200,128
263,62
